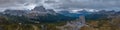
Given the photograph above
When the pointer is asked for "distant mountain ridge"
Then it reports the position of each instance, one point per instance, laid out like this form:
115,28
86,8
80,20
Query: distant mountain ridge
39,10
36,15
41,14
91,15
83,12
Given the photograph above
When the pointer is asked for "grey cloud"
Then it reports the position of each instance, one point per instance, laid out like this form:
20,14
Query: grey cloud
14,4
61,4
92,4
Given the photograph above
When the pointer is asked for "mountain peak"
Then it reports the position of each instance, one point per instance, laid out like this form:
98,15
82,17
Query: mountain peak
39,8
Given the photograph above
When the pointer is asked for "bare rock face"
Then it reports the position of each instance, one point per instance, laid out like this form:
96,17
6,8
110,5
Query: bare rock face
74,25
40,9
51,11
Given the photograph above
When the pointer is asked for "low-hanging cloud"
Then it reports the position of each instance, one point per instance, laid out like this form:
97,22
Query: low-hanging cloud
60,4
18,4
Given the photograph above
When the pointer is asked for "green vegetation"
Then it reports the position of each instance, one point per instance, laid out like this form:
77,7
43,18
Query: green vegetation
102,24
6,24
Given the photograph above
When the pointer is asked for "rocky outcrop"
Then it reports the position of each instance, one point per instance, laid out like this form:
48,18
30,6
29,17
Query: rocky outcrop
74,25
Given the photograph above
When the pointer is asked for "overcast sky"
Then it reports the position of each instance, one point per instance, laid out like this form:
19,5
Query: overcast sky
60,4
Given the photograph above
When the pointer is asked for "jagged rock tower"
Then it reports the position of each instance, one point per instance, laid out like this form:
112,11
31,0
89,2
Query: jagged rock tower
82,19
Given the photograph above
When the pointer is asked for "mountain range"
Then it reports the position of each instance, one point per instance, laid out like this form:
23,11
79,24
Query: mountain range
41,14
37,15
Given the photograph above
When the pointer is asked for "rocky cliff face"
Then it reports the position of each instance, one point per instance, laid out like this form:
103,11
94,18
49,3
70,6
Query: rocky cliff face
41,11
